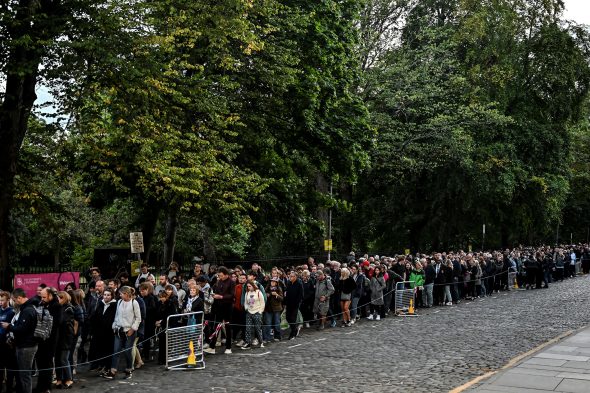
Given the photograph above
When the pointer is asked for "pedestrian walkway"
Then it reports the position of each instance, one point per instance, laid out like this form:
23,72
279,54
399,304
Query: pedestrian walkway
561,367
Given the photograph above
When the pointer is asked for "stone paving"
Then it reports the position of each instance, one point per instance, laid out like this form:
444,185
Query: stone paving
561,367
441,349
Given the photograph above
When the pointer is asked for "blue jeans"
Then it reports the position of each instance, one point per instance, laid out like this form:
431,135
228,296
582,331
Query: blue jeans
62,366
123,343
427,298
354,307
24,361
272,320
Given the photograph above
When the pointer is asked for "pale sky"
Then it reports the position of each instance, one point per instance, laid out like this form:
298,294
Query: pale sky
577,10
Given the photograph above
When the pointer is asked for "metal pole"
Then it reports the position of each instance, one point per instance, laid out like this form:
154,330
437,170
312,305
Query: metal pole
330,221
571,238
483,237
557,234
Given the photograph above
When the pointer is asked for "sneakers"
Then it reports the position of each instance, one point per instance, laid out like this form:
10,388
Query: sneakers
370,317
449,303
255,342
261,345
378,318
307,325
205,346
128,375
247,346
228,352
276,339
210,351
333,324
350,323
241,343
108,375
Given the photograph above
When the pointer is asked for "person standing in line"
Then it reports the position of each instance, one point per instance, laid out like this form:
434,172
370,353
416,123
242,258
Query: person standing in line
48,348
224,292
23,330
377,285
103,338
144,275
8,357
293,299
254,305
125,326
323,290
64,343
273,309
347,286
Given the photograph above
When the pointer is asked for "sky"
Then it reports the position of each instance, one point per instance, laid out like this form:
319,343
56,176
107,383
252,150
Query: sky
577,10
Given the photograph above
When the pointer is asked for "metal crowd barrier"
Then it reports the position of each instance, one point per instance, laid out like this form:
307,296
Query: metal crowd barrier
184,341
404,299
578,267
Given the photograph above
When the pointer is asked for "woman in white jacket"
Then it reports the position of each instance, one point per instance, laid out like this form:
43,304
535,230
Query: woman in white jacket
125,325
254,305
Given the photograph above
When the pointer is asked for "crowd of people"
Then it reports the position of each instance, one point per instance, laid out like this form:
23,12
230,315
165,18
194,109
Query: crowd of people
244,308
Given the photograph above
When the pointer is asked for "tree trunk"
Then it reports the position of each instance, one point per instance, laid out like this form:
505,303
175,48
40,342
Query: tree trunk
56,251
208,246
34,24
322,186
171,230
151,214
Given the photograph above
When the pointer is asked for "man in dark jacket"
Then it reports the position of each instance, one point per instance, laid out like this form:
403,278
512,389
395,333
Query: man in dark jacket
48,347
24,340
293,298
429,277
224,293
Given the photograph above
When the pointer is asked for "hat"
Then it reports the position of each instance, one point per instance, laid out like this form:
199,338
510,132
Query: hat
365,263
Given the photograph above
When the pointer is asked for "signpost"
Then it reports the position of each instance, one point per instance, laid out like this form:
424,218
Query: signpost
483,237
136,240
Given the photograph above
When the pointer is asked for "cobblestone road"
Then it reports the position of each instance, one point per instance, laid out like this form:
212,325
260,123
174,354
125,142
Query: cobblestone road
443,348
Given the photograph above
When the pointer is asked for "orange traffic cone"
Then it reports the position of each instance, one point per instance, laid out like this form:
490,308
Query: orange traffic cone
411,308
191,361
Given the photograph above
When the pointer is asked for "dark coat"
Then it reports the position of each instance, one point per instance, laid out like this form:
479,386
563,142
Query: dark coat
49,346
103,337
197,306
347,286
66,328
24,326
429,274
294,293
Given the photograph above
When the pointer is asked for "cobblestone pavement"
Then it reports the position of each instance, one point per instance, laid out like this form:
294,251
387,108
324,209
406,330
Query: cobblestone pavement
443,348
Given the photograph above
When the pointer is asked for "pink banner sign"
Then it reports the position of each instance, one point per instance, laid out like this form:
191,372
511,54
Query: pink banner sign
30,282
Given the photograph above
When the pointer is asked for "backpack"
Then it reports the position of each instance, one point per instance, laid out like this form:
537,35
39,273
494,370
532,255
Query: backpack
44,323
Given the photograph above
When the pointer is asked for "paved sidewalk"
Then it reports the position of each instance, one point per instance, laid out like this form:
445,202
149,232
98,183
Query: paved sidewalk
561,367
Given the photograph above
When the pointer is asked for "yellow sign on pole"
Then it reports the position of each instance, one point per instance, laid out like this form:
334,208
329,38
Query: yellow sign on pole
328,245
470,248
407,251
135,268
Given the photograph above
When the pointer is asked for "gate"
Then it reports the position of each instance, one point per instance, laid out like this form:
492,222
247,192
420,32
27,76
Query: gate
184,341
404,299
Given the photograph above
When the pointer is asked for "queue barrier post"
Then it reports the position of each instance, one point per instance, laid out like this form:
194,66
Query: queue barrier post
404,299
184,341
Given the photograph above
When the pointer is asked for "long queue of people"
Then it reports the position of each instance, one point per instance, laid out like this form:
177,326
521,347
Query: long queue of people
244,308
